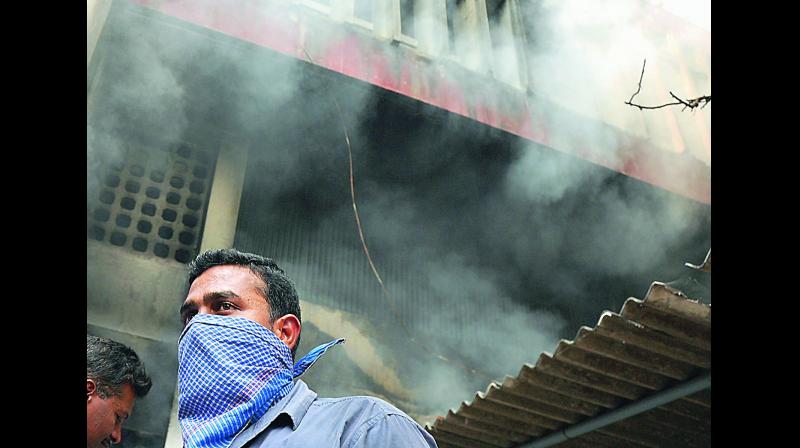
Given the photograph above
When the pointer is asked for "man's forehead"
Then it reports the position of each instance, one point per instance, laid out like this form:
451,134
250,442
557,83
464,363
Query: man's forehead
228,274
125,401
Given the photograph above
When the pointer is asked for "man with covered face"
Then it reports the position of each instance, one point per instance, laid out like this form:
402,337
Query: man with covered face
115,377
237,377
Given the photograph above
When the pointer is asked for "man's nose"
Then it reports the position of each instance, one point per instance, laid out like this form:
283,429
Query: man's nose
116,436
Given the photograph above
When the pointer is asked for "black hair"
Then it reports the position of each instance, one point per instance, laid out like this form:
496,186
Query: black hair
112,365
280,292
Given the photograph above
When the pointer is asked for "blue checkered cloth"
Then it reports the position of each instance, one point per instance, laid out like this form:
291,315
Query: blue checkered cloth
231,370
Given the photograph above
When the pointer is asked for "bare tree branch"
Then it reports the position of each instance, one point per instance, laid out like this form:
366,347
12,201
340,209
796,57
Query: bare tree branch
691,104
640,83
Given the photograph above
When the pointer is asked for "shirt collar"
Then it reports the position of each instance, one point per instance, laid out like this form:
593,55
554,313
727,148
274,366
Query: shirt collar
295,405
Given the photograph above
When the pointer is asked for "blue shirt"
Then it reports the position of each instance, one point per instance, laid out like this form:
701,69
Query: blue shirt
302,420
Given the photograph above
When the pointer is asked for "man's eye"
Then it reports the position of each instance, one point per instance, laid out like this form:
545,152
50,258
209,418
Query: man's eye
226,306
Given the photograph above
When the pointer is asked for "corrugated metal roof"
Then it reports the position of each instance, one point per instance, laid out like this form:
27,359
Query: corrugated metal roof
651,345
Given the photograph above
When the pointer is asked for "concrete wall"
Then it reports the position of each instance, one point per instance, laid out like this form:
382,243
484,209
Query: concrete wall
133,299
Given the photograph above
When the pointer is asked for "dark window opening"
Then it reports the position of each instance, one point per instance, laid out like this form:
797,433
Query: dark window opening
196,187
189,220
137,170
144,226
123,221
194,203
106,197
184,151
407,17
112,180
97,233
183,255
176,182
165,232
161,250
118,239
132,186
186,238
139,244
149,209
169,215
152,192
101,215
157,176
173,198
452,10
127,203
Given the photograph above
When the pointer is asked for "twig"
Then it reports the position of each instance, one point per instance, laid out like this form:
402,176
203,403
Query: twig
640,83
691,104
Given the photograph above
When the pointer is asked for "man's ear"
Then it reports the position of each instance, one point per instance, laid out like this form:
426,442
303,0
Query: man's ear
91,388
287,328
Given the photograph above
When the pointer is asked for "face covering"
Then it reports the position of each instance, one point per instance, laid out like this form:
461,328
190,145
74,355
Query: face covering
231,370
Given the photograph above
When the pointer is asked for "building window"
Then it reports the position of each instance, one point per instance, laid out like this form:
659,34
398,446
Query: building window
407,18
452,10
362,9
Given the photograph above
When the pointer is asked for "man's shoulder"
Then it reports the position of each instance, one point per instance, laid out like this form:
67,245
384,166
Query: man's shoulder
364,406
368,421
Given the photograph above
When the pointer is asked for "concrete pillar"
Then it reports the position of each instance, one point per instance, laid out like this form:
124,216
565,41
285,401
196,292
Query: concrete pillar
96,15
386,18
505,65
431,26
520,40
472,39
226,193
218,232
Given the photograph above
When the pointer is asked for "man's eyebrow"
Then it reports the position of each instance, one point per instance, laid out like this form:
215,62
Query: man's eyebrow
210,297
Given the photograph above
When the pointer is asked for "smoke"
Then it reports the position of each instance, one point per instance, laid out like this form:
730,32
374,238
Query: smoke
140,90
587,57
492,248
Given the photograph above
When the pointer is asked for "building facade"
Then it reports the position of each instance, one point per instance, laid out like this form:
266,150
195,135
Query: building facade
437,200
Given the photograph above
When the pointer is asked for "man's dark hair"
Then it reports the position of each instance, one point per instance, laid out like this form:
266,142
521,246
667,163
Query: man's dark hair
112,365
279,293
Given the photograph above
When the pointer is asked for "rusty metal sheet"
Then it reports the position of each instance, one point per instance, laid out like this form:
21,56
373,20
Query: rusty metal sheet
702,398
688,408
501,421
588,378
670,300
649,346
499,395
457,440
569,352
614,326
569,388
490,430
516,414
588,339
450,426
671,324
643,432
558,400
605,440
